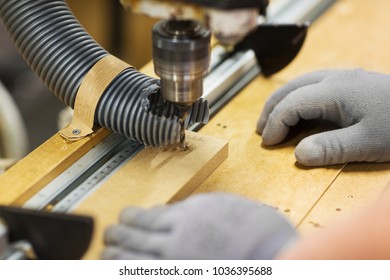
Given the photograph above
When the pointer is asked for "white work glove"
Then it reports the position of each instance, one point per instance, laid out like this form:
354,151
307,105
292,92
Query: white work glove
356,100
206,226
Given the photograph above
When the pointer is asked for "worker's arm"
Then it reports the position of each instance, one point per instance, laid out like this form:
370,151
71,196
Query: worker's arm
364,235
356,100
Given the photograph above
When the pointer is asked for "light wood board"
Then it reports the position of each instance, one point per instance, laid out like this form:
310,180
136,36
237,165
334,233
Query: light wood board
42,165
153,178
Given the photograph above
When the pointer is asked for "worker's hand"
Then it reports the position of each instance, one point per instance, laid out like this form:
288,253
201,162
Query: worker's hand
356,100
206,226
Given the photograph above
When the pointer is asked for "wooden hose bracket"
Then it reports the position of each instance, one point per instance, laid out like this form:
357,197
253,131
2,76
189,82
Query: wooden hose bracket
88,95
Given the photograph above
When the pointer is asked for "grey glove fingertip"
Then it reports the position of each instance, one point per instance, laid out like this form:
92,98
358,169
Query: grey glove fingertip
307,153
155,218
117,253
114,234
128,214
111,253
135,239
338,146
274,132
268,108
261,124
281,93
320,149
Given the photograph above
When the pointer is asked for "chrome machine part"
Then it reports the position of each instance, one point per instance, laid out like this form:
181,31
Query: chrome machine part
181,57
288,11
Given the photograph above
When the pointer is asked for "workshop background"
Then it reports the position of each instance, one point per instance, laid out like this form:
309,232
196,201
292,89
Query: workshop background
126,35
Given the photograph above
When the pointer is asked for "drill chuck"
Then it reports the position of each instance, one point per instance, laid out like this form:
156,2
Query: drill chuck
181,56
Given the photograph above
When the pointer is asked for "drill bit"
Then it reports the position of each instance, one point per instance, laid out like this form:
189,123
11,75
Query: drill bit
183,146
182,114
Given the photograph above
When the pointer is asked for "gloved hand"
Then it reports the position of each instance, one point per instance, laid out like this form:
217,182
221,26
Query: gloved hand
356,100
206,226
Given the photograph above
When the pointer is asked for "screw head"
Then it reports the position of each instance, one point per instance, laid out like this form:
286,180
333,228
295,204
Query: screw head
76,131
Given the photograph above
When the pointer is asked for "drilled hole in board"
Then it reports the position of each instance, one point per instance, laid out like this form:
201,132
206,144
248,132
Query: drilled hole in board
316,225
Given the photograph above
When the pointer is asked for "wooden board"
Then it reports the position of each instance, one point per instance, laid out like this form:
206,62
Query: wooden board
42,165
153,177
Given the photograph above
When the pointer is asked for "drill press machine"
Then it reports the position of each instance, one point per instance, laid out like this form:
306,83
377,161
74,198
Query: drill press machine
181,42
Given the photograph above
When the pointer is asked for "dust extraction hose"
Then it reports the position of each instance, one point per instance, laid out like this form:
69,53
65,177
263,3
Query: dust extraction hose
61,53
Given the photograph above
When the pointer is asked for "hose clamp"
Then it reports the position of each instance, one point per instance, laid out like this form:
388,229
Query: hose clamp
92,87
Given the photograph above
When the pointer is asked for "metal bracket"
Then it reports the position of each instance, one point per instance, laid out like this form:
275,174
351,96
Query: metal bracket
275,45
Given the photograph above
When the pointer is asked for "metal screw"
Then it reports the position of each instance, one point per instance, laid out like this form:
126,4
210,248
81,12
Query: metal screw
76,131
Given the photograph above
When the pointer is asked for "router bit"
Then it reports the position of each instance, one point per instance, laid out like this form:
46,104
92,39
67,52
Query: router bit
181,57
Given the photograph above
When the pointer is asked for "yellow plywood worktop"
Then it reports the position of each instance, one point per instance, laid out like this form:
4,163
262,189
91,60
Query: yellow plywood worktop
351,34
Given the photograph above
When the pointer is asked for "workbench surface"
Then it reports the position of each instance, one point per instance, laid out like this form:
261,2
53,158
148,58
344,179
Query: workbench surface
351,34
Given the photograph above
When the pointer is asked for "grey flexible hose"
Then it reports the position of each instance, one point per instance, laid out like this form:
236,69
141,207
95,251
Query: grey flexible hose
61,52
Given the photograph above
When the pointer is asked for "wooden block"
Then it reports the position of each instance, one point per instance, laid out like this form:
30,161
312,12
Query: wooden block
42,165
153,177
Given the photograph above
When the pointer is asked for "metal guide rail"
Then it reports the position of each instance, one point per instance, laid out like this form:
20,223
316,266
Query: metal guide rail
228,75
